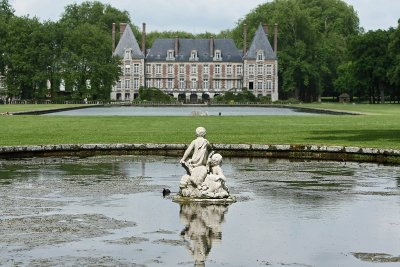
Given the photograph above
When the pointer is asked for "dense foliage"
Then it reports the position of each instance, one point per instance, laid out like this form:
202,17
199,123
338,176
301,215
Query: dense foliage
321,50
74,52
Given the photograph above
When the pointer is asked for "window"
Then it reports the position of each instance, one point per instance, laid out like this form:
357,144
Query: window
251,69
181,68
217,84
158,83
136,83
127,84
205,83
217,55
127,54
239,84
269,85
217,69
181,83
158,69
148,83
194,83
194,69
170,83
260,55
269,69
136,69
229,84
260,69
148,68
170,68
193,55
119,83
229,70
239,69
127,69
170,55
260,85
205,69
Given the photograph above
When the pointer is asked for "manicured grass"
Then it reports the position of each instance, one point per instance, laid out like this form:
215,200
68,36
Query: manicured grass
379,130
370,109
31,107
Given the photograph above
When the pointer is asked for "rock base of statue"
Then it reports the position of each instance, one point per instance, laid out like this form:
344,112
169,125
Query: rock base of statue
204,184
186,200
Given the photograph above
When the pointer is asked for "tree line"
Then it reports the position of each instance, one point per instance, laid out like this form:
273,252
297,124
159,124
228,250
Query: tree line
322,51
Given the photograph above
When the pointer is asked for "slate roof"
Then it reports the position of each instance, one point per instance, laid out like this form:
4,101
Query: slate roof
128,40
229,51
260,42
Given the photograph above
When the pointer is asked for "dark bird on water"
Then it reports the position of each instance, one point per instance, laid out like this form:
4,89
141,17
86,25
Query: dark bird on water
166,192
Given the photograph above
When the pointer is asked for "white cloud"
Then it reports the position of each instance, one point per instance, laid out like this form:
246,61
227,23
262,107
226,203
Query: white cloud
203,15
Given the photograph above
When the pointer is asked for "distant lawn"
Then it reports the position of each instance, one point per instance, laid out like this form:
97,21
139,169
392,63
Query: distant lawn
32,107
371,109
379,130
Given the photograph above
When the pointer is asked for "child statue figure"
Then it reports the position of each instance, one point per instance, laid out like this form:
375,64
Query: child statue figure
205,178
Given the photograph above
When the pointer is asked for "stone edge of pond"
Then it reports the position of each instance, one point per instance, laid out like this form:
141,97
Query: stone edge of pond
316,152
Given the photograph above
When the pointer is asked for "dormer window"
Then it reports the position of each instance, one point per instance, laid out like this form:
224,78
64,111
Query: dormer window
217,55
170,55
128,53
260,55
193,55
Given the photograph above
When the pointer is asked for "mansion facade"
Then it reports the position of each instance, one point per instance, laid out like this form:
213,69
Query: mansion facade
194,70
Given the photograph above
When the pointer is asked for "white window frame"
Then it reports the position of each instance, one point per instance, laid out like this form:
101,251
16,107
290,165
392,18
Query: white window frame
135,68
260,69
136,83
260,55
205,84
181,83
181,68
229,70
206,69
269,69
239,70
170,69
193,69
251,69
170,83
217,69
158,68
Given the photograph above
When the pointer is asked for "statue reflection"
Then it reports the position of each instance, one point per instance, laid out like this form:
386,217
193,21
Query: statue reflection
202,228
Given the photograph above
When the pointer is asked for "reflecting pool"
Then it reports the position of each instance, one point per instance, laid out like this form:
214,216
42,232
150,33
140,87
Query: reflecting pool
180,111
109,211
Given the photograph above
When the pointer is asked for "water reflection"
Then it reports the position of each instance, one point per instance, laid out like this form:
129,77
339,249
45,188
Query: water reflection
202,228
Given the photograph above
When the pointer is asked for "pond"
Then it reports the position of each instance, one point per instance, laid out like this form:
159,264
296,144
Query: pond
181,111
109,211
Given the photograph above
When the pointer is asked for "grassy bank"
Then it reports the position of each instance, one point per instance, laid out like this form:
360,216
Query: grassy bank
379,130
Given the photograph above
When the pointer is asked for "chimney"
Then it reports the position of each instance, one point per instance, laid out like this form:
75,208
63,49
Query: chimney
144,39
211,46
276,38
122,27
266,30
244,39
113,37
176,46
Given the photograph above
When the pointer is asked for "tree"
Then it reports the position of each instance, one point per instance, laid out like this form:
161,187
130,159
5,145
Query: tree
313,37
88,68
394,69
369,52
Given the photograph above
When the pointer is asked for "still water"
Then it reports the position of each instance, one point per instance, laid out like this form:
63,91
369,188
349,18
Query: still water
109,211
180,111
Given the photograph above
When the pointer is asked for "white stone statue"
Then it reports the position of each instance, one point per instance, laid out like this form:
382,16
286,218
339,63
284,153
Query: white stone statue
205,178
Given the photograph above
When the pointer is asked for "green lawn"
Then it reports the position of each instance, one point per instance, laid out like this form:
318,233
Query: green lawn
370,109
382,129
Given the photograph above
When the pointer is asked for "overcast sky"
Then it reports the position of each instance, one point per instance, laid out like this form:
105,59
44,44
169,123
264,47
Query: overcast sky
199,16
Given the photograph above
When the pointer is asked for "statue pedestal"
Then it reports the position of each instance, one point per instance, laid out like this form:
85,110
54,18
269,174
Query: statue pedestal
183,200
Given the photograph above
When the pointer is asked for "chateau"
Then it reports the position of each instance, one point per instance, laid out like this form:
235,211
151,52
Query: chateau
194,70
